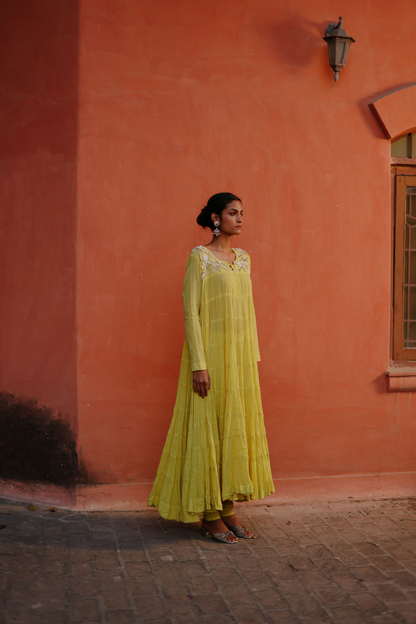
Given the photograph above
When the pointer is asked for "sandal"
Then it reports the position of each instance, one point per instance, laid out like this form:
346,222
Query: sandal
239,531
219,537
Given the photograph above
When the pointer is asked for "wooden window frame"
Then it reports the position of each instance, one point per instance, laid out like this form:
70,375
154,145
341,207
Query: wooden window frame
404,177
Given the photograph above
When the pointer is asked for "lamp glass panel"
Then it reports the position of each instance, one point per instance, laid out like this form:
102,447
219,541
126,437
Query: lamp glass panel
340,52
400,148
347,51
331,52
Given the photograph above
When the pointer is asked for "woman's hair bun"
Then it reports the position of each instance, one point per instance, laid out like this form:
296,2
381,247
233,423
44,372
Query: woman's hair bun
215,204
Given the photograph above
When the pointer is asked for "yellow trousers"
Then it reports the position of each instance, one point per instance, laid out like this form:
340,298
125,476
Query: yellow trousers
215,514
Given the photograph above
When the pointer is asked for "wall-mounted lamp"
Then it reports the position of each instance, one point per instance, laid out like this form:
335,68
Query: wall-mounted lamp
338,46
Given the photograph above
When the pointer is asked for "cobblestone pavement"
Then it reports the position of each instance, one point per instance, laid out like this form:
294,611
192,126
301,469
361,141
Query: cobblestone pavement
345,563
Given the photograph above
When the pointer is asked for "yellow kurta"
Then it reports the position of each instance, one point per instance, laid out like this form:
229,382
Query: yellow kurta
216,448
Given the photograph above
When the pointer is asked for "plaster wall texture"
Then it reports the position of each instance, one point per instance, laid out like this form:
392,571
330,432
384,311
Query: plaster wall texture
38,138
179,100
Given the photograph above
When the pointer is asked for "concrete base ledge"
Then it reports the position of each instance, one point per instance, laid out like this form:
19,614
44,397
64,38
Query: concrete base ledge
133,496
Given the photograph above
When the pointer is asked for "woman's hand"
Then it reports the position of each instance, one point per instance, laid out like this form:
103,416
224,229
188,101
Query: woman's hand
201,383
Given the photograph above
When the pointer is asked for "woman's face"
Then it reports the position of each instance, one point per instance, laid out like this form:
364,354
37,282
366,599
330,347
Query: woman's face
231,219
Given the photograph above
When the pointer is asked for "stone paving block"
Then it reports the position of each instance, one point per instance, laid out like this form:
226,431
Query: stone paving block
349,583
386,563
114,601
278,569
16,613
227,577
335,543
80,556
307,606
288,547
27,575
203,586
332,566
352,558
52,601
272,599
298,562
368,603
132,554
404,579
85,611
121,617
54,617
368,549
217,619
283,617
211,604
138,569
140,588
176,593
215,565
81,570
351,535
249,562
258,580
150,606
83,589
185,551
108,578
239,595
405,613
292,587
348,615
50,583
192,569
23,593
385,619
388,592
106,562
410,565
332,596
249,614
370,574
313,578
318,551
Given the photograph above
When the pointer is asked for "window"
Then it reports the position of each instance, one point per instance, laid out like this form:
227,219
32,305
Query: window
405,269
403,150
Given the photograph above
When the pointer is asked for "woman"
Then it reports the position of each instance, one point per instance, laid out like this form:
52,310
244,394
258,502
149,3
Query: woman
216,449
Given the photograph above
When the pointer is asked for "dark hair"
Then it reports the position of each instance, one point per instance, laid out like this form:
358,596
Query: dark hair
216,204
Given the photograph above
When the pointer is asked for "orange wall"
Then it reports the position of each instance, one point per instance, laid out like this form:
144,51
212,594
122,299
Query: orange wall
38,122
179,100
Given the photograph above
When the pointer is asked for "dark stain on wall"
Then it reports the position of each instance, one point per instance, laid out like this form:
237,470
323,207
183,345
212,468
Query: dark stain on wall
36,444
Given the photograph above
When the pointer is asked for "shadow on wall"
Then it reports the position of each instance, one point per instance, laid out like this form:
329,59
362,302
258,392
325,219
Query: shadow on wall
295,41
35,445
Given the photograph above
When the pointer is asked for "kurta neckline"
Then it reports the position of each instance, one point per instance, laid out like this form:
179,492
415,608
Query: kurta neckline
234,249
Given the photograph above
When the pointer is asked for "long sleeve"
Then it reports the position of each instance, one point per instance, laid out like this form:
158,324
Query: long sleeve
191,303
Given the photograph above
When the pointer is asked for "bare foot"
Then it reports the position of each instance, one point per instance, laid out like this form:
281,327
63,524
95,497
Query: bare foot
218,526
231,521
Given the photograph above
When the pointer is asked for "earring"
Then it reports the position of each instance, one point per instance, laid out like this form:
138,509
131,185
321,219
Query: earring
216,232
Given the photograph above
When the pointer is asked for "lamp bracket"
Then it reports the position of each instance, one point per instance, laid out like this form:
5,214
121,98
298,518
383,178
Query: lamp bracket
330,28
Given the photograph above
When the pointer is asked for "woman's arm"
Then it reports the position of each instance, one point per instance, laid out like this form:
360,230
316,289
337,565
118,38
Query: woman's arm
191,303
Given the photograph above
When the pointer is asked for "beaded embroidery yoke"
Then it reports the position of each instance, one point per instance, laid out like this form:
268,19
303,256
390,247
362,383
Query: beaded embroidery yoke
212,264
